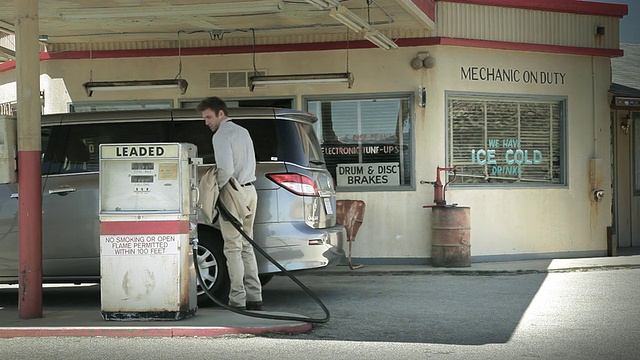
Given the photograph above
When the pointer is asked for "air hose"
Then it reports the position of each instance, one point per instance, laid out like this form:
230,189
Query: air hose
227,216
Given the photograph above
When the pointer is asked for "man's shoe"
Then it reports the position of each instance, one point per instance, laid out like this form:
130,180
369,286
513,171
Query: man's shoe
239,308
254,305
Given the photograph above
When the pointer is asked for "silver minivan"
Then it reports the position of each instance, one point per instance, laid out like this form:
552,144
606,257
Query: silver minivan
295,221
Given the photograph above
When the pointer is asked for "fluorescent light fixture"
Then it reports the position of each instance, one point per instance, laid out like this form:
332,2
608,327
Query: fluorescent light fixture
349,19
10,54
221,9
92,86
326,78
377,38
324,4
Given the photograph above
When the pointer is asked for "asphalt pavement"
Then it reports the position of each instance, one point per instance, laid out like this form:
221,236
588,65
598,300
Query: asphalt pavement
75,310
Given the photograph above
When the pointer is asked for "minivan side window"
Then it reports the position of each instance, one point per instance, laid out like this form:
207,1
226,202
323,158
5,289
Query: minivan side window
74,148
45,134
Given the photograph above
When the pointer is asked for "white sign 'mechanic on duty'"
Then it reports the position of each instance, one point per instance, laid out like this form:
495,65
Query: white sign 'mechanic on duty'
378,174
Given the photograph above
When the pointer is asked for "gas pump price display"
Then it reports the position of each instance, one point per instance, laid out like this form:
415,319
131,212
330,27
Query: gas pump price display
141,178
142,166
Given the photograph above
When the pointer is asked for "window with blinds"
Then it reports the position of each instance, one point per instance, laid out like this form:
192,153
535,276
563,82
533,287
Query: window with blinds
366,142
506,140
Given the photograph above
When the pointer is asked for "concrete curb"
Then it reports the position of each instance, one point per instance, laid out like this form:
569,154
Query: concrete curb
486,269
472,272
12,332
62,320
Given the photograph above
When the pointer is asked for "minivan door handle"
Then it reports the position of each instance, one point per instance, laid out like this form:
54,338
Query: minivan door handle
62,190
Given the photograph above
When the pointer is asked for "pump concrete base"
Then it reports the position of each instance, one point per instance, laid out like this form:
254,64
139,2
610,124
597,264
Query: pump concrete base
147,315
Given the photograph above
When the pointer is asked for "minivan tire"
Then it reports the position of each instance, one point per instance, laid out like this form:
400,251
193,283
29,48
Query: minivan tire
213,267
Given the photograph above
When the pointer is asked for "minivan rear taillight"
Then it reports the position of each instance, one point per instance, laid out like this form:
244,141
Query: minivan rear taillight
296,183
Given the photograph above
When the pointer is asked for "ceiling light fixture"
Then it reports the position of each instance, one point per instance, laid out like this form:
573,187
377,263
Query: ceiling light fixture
327,78
222,9
324,4
92,86
349,19
381,41
8,53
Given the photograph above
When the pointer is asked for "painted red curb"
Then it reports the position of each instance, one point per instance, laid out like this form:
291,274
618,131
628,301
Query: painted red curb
146,331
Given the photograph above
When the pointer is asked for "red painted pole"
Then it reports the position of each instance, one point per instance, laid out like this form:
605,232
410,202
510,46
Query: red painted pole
30,235
29,150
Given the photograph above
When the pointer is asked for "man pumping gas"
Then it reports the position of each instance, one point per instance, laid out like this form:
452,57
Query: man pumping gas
236,167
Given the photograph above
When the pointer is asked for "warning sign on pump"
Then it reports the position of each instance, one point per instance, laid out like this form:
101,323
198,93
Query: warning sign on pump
139,244
168,171
378,174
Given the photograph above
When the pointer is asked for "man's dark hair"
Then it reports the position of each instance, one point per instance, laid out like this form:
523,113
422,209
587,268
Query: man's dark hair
213,103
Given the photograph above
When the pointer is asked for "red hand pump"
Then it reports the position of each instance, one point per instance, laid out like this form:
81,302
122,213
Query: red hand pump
439,189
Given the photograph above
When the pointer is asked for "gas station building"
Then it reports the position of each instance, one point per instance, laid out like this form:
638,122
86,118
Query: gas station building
515,95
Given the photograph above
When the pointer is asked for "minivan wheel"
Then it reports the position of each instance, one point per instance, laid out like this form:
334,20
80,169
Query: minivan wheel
213,268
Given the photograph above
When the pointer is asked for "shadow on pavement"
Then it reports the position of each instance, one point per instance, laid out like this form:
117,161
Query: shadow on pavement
442,309
86,296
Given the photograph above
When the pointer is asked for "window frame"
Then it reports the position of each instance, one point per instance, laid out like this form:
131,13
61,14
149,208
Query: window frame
411,151
563,102
635,143
112,105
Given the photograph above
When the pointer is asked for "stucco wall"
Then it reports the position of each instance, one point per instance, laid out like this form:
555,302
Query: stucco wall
539,220
504,221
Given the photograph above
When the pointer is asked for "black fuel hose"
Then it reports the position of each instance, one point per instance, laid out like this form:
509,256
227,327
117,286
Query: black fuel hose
227,215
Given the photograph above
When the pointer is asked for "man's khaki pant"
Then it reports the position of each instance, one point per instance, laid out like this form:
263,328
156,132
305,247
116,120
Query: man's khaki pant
241,260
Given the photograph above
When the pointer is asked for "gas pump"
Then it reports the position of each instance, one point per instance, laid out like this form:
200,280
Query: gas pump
148,217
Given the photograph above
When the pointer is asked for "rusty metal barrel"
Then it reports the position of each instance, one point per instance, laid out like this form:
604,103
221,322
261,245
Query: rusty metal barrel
450,236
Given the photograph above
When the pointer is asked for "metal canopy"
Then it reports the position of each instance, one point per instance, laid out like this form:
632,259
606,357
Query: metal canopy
72,24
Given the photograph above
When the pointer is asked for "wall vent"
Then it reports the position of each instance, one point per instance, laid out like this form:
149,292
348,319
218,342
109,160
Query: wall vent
230,79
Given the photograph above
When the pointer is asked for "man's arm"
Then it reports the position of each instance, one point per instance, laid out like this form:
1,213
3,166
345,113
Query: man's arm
224,158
